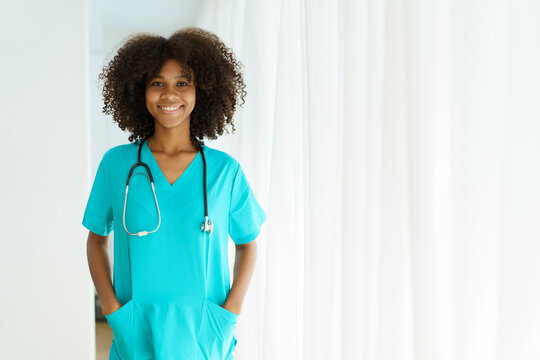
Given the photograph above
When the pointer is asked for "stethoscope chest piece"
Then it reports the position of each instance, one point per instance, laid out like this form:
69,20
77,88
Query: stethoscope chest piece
207,225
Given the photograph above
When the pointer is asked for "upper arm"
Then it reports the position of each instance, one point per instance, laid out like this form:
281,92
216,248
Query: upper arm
99,239
252,243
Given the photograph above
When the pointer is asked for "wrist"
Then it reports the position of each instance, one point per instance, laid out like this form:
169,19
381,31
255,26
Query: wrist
108,307
233,307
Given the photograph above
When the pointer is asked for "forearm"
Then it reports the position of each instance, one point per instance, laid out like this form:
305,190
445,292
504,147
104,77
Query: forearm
100,270
244,266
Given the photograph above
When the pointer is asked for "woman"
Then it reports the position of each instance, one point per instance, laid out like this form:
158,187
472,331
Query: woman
171,296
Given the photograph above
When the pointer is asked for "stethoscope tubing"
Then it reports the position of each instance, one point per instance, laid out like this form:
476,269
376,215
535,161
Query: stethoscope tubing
207,224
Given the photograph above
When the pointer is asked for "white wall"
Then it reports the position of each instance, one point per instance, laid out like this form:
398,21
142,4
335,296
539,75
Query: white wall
46,291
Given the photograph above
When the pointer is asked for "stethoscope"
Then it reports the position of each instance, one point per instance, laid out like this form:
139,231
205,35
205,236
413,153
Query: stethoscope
207,223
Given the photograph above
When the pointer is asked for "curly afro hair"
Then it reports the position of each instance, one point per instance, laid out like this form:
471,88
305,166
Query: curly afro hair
218,81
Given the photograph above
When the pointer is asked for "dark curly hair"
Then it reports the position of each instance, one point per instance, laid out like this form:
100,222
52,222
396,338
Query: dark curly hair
218,81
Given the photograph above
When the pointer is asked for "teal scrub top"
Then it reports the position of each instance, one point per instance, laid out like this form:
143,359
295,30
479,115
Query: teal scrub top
173,282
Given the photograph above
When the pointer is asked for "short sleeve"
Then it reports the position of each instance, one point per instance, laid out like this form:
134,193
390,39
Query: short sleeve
98,215
246,215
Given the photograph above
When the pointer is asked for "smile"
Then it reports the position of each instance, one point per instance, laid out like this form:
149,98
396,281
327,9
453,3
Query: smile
170,109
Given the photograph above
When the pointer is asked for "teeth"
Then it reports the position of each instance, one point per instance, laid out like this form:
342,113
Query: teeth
170,108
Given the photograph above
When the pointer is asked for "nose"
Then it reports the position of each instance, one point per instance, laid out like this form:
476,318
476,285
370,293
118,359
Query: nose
169,93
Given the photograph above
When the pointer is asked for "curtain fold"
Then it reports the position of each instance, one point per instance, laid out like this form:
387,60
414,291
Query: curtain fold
387,141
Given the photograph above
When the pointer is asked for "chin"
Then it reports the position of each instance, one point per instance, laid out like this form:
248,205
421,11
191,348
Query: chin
170,125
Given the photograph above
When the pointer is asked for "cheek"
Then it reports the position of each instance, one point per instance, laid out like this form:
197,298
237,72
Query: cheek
193,97
150,99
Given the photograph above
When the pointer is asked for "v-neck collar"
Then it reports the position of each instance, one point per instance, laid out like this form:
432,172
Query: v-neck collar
161,177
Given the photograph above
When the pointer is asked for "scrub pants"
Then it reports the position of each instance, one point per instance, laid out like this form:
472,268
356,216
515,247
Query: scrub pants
169,316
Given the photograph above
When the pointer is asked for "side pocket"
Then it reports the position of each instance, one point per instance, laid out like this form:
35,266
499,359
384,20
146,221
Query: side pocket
226,314
121,323
115,316
216,335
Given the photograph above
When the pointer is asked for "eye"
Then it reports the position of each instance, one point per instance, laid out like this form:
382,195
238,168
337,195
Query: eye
157,83
183,83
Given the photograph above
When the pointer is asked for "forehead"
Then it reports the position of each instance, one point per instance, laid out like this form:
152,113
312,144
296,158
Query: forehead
173,66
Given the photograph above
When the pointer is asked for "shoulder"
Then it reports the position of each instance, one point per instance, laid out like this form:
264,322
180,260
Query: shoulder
120,152
221,158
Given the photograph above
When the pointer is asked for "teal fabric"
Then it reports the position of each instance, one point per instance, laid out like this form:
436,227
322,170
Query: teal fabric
173,282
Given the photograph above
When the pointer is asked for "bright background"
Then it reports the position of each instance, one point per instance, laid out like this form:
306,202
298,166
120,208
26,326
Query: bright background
393,143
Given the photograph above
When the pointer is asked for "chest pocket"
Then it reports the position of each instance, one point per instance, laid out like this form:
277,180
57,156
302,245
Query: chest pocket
141,212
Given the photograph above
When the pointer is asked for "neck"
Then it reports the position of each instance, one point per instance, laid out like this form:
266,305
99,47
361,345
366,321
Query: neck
171,141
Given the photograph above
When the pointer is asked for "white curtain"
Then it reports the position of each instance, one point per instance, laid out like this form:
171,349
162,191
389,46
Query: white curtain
394,144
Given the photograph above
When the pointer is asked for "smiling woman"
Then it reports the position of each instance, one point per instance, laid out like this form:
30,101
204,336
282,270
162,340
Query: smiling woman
171,296
170,95
209,67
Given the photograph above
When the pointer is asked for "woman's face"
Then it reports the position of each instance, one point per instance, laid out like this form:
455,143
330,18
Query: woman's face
170,95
